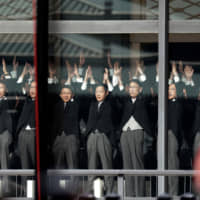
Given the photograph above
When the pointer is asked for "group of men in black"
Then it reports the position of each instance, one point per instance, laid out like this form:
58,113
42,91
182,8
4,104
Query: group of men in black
17,118
103,115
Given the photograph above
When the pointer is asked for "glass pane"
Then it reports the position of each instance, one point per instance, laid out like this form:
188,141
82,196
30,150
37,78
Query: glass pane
103,91
184,9
103,9
183,107
17,115
16,10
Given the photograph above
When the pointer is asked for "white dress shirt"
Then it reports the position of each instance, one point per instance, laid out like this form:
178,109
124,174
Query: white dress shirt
132,124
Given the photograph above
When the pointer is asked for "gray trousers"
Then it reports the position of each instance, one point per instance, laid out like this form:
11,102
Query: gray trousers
173,162
5,140
132,152
196,146
26,147
65,151
98,146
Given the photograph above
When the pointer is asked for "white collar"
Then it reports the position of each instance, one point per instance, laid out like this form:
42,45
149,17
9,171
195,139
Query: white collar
3,98
133,100
100,102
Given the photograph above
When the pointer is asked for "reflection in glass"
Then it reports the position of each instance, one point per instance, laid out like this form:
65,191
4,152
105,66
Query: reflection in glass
16,10
17,110
184,9
183,131
102,90
103,9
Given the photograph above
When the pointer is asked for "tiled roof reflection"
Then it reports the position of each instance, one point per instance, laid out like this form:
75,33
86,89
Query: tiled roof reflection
15,9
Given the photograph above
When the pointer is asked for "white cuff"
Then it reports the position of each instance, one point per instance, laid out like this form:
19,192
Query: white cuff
111,71
92,82
13,74
114,80
84,86
50,80
20,80
110,87
66,83
79,80
23,91
142,78
73,79
80,71
7,76
157,78
170,81
176,78
121,87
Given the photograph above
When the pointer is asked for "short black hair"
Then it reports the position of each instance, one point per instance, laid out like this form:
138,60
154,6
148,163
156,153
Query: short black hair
135,81
103,85
67,87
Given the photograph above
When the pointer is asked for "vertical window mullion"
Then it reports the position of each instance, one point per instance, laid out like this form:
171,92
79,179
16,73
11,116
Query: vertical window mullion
162,91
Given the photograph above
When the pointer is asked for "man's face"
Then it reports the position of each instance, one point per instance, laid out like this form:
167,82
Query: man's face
188,71
32,90
172,91
66,95
100,93
2,90
134,89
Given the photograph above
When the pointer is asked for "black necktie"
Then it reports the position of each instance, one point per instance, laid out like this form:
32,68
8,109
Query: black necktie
99,106
65,106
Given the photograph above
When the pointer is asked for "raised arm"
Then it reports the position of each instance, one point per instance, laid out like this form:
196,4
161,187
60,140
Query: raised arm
4,66
70,73
24,72
109,60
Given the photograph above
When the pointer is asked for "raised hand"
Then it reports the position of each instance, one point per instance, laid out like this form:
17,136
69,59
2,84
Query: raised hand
139,67
174,71
117,69
69,67
3,61
52,70
180,67
76,70
15,64
30,69
82,59
91,75
90,72
109,60
129,75
70,72
86,74
25,70
157,66
184,92
105,76
4,66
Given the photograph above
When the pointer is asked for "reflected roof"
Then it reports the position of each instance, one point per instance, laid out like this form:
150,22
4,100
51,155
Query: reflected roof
16,44
67,45
98,7
15,9
179,9
22,9
71,45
